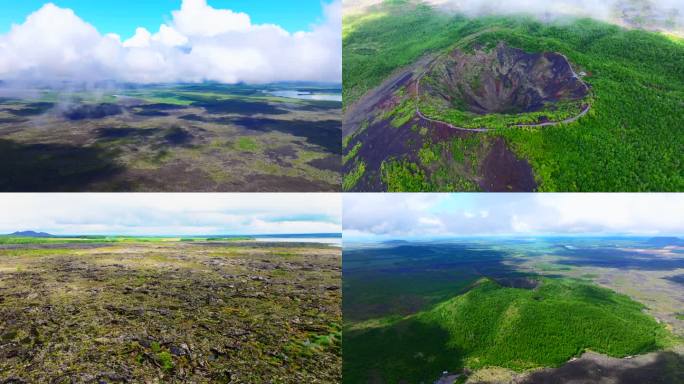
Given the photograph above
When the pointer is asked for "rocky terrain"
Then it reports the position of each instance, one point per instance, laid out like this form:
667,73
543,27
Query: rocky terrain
502,80
594,368
170,312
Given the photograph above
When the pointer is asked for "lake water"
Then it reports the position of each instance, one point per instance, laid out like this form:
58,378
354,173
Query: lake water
307,95
321,240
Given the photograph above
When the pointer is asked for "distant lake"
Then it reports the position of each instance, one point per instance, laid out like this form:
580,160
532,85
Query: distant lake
304,95
321,240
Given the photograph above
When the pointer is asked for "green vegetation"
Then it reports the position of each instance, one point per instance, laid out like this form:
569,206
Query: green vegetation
428,154
466,150
346,141
629,141
165,360
402,114
375,45
465,119
316,344
112,239
23,240
353,177
680,316
351,154
79,239
247,144
444,166
492,325
403,176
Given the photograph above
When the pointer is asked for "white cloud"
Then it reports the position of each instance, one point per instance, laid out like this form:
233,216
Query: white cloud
171,214
141,39
386,213
196,18
408,215
606,10
170,37
200,43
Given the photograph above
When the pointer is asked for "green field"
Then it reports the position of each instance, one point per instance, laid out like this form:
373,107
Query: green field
493,325
111,239
629,141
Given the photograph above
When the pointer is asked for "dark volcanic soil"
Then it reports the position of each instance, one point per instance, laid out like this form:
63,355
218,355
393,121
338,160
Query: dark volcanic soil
499,171
502,171
518,282
217,143
379,146
43,167
331,163
497,168
591,368
88,111
505,80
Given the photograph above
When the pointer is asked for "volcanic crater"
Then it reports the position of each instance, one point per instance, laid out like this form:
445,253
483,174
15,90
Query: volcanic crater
503,80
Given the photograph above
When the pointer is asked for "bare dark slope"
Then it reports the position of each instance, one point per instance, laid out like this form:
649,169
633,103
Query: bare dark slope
657,367
503,80
381,139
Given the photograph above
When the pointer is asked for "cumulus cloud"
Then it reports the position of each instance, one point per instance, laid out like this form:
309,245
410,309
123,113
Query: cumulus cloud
408,215
213,21
199,43
659,14
171,214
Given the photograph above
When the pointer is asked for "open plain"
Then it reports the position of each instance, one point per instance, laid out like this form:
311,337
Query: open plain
134,310
171,138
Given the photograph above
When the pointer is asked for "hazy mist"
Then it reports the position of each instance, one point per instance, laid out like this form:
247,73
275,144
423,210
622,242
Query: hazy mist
667,15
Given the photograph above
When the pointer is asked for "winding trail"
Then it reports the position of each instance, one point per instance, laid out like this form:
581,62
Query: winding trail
451,126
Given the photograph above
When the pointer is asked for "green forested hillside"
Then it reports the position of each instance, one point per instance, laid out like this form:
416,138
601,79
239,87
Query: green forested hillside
631,140
492,325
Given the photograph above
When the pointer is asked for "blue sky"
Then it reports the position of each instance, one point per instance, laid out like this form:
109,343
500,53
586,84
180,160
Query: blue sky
171,41
368,216
171,214
123,16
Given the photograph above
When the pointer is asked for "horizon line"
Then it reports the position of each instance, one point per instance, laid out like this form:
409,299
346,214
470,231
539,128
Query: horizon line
337,234
399,237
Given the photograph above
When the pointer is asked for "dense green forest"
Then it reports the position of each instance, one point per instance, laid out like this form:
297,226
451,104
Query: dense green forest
631,140
493,325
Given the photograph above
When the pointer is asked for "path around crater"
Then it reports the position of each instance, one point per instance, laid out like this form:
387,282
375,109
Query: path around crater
451,126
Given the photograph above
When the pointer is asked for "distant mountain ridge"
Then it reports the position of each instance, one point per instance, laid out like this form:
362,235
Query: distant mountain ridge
30,234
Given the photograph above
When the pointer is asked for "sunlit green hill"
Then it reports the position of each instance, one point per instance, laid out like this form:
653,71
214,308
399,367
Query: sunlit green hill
542,323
